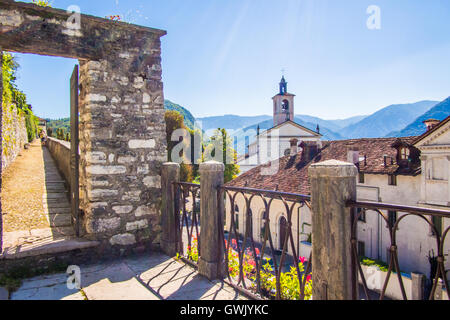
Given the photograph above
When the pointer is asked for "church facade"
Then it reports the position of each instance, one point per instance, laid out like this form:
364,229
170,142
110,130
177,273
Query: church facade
286,137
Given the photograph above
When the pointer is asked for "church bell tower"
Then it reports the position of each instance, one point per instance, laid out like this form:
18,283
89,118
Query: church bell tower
283,105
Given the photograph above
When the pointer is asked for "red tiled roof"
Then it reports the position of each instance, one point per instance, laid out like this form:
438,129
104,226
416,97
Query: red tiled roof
292,175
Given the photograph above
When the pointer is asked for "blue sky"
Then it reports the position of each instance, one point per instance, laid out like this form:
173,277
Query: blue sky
226,56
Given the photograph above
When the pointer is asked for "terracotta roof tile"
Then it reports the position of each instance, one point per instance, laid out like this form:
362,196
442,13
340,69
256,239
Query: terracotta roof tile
292,175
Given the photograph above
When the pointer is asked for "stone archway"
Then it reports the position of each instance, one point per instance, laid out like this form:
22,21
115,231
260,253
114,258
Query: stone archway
121,104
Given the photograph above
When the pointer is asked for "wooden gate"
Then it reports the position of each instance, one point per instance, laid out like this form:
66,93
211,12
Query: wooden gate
74,152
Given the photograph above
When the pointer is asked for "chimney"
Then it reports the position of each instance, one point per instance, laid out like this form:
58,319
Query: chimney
353,155
294,148
431,123
310,150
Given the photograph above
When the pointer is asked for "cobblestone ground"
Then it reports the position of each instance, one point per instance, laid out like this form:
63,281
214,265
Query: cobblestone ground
22,191
35,204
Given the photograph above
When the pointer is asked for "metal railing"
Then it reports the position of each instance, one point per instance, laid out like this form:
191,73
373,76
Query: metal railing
187,219
249,267
426,214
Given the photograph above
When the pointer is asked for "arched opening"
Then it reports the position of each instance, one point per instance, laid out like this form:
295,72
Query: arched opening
249,223
263,225
283,231
285,105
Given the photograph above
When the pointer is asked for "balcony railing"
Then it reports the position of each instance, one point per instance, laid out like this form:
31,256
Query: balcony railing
187,219
249,266
426,214
258,269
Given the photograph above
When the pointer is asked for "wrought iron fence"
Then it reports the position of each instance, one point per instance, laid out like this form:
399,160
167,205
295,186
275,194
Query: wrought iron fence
187,219
249,267
426,214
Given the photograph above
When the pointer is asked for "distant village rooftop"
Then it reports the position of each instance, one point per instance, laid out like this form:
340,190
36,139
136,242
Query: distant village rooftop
374,156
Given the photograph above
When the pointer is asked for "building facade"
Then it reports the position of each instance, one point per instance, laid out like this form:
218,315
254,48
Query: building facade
284,138
410,171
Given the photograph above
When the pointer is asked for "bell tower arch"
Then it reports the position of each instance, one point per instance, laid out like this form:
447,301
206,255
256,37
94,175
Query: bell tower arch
283,105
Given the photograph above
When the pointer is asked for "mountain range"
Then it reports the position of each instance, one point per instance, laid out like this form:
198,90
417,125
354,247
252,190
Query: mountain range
399,120
416,128
389,119
392,121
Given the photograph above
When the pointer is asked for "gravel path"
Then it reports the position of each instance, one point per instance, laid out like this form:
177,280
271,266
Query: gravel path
22,191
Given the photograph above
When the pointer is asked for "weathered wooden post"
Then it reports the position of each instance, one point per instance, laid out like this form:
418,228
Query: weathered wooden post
333,183
211,261
170,173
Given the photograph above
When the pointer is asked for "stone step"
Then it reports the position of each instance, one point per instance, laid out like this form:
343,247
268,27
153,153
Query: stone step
47,247
57,190
56,205
55,195
64,210
60,220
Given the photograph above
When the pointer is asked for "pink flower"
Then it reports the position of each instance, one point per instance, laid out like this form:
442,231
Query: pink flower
233,242
257,251
303,260
308,278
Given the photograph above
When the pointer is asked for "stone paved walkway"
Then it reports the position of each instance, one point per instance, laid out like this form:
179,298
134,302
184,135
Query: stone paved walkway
35,206
155,277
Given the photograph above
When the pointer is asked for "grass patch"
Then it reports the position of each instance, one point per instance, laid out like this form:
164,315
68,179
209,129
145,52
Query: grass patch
12,279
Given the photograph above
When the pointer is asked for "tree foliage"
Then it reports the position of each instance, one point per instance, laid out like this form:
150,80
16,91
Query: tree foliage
13,96
220,138
174,120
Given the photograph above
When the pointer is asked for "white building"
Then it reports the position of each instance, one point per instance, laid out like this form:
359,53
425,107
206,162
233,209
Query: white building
285,134
406,171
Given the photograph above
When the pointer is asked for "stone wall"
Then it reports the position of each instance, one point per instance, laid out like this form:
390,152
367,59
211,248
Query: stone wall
14,135
60,151
122,144
122,128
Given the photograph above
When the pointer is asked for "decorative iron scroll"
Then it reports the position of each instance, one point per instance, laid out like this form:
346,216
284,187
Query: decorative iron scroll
247,261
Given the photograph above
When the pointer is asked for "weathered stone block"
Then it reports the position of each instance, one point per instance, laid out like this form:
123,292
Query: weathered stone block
145,211
96,157
123,239
132,195
126,159
100,194
142,144
122,209
95,98
104,225
152,181
137,225
106,170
